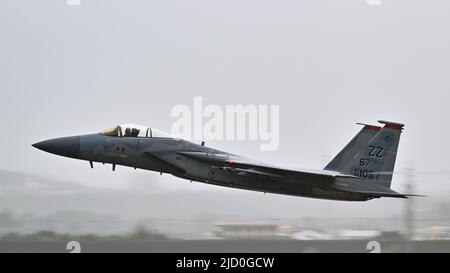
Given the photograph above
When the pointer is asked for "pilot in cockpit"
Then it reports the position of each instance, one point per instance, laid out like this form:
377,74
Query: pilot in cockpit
127,132
131,132
134,132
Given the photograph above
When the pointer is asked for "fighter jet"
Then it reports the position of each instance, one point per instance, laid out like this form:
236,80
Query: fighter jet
361,171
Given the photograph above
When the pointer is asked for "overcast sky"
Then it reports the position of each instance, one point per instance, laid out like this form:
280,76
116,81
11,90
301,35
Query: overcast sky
67,70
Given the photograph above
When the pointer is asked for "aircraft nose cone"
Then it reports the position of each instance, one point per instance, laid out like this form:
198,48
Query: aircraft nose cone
64,146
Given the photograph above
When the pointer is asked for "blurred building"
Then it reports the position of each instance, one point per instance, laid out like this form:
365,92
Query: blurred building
357,234
432,233
246,230
310,234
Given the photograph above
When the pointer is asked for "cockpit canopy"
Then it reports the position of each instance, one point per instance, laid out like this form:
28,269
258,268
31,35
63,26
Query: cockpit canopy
133,130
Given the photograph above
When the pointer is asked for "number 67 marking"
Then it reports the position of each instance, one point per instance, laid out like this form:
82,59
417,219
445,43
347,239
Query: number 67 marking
364,162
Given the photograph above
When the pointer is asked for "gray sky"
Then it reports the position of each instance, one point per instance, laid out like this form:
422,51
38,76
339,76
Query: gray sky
68,70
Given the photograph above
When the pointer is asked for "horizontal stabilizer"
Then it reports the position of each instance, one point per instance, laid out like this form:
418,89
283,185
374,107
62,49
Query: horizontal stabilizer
358,185
415,195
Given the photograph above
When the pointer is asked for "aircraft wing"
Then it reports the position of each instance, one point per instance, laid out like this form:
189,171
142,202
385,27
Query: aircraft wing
245,166
250,171
338,181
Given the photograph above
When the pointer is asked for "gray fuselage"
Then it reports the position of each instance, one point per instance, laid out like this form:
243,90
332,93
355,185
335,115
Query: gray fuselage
174,156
